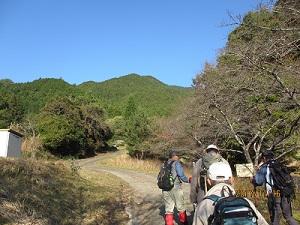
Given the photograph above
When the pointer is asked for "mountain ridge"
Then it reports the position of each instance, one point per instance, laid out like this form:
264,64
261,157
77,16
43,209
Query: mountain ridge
151,95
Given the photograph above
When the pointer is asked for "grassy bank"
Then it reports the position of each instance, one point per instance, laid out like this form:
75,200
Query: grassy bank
40,192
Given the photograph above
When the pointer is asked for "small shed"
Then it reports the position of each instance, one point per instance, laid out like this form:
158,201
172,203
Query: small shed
10,143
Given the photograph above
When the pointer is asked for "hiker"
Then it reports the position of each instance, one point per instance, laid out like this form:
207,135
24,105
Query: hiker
173,194
198,182
220,205
276,178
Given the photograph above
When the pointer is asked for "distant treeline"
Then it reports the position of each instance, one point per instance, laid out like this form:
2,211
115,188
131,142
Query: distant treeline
71,119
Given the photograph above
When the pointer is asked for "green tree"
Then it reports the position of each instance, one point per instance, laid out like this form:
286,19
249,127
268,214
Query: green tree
137,128
11,111
73,127
60,127
96,131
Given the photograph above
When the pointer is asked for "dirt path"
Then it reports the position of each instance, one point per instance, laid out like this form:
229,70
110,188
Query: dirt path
146,207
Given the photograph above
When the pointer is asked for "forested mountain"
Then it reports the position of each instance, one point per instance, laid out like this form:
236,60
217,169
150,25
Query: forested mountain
32,96
152,96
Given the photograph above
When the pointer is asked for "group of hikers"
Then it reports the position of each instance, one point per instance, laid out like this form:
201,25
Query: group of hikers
214,197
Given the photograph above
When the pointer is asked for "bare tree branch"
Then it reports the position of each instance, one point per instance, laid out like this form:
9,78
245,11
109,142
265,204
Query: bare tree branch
277,29
287,152
294,124
197,140
231,150
237,137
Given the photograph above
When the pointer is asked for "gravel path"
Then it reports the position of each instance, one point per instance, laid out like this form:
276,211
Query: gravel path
146,207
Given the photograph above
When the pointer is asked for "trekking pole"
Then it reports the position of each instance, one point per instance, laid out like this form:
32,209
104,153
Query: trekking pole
255,196
194,204
255,186
205,185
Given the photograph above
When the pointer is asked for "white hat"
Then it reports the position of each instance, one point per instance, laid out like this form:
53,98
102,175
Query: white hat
219,171
212,147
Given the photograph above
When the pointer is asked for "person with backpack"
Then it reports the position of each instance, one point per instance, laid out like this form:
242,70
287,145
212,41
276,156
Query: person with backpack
276,178
170,180
220,205
198,182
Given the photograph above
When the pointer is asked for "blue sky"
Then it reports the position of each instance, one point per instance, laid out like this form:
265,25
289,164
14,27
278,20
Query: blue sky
81,40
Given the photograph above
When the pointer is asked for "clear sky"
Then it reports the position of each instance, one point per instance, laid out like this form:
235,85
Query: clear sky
81,40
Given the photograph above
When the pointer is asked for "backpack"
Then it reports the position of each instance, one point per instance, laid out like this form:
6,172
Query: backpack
209,159
231,210
165,180
282,179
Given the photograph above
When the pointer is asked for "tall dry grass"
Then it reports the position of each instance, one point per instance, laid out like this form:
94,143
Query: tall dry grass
42,192
32,147
124,161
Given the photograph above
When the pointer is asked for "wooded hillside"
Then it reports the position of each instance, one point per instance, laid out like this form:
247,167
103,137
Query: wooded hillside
72,119
250,99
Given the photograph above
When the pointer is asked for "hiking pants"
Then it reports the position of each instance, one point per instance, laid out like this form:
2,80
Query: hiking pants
173,198
275,204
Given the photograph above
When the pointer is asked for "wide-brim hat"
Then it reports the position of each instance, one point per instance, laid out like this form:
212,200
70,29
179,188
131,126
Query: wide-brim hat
212,147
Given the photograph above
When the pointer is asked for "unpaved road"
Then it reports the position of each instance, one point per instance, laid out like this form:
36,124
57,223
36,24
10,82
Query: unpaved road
146,207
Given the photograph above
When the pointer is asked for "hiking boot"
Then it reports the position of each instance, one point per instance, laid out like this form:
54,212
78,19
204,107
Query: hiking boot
169,219
183,218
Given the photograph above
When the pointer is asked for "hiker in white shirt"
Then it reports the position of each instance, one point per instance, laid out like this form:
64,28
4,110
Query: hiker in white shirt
219,180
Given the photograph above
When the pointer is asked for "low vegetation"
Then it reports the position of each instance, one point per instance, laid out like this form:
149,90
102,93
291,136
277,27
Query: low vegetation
124,161
39,192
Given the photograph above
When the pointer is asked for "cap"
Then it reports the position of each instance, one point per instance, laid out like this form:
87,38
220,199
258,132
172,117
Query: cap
212,147
172,153
219,171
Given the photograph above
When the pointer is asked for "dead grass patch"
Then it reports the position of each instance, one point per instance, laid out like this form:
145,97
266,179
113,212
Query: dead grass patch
124,161
41,192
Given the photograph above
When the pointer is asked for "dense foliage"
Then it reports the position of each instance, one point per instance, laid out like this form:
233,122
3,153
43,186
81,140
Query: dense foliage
69,129
136,128
11,109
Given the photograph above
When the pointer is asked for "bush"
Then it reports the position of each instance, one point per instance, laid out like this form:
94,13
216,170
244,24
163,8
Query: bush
68,129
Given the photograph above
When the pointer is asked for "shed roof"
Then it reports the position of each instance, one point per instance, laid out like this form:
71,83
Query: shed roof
12,131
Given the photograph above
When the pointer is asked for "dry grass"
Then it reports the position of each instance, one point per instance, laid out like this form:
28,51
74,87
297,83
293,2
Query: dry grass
108,196
243,184
124,161
32,147
41,192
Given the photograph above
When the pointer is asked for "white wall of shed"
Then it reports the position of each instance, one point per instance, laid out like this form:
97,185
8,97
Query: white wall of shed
4,136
